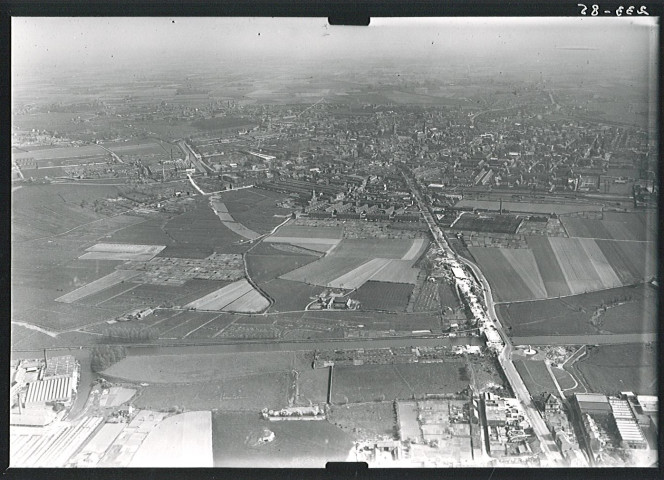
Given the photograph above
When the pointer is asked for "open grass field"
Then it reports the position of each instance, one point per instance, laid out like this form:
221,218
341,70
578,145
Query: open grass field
631,310
375,295
254,208
535,376
543,208
365,420
296,444
618,368
45,210
289,295
312,385
199,368
370,383
247,393
180,441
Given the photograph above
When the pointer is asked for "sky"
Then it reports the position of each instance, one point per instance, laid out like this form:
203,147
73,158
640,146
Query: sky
92,41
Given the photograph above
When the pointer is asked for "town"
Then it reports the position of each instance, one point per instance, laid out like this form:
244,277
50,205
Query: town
441,268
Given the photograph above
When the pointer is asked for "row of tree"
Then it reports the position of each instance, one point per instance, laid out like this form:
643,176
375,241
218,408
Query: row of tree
103,356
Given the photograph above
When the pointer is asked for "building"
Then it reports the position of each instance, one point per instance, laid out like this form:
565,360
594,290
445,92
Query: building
592,403
631,435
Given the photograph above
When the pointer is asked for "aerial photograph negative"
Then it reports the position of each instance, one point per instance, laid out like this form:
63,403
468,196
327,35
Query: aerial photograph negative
280,242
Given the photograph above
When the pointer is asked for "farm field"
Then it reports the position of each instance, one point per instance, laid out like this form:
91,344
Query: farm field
296,444
544,208
370,383
614,226
479,223
263,267
353,262
554,266
631,310
223,298
618,368
374,295
247,393
180,441
495,265
213,327
114,278
288,295
365,420
409,425
198,368
427,299
536,377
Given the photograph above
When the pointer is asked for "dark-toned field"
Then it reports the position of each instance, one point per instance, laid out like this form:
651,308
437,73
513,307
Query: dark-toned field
630,310
547,264
290,296
268,265
296,444
536,377
254,208
391,297
370,383
611,369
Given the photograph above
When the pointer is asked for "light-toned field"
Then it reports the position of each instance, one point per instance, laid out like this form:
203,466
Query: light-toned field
409,427
103,283
231,297
250,302
119,251
353,262
62,152
306,232
103,438
358,276
180,441
135,149
397,271
229,222
241,230
116,396
555,266
523,262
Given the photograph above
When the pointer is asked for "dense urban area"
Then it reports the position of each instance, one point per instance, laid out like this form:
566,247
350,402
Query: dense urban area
455,268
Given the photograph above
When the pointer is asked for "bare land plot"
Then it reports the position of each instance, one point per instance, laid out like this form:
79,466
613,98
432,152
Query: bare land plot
618,368
265,267
369,383
186,251
118,276
198,368
375,295
547,264
497,268
544,208
366,421
180,441
117,251
409,426
536,377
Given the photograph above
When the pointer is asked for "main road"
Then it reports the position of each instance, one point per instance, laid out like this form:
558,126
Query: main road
548,446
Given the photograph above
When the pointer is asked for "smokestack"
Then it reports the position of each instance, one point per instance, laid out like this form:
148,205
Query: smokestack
501,206
45,359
